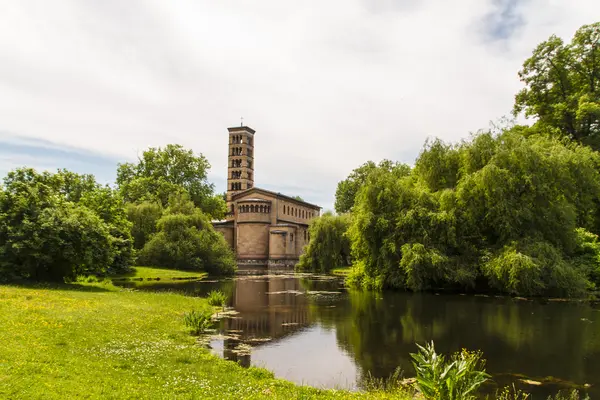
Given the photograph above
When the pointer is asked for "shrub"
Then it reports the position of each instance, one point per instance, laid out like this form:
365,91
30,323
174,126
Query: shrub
198,321
440,380
186,240
329,247
217,298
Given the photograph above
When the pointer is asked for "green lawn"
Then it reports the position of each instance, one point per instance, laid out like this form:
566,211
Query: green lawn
153,273
100,342
344,271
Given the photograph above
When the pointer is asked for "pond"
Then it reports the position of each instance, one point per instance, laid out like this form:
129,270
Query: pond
312,331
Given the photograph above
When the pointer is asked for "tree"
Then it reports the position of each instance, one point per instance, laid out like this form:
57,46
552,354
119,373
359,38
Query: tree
513,213
562,86
43,236
162,172
329,246
348,188
185,239
143,217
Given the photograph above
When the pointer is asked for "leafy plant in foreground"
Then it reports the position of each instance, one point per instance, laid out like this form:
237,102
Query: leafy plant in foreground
217,298
197,321
457,379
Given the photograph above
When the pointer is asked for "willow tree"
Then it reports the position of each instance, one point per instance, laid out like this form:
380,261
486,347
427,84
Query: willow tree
329,246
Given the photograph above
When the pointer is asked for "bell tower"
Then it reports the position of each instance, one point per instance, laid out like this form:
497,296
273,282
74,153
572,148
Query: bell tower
240,163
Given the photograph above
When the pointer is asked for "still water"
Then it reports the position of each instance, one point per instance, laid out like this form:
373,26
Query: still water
311,330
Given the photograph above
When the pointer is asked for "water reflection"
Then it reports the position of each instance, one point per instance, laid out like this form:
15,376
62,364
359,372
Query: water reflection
310,331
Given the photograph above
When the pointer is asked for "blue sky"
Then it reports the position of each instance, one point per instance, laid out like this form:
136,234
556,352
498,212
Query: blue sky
326,85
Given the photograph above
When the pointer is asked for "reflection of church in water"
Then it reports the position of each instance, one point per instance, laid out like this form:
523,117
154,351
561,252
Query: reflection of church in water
269,310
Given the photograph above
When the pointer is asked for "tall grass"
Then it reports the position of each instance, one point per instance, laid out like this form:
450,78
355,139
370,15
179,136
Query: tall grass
217,298
198,321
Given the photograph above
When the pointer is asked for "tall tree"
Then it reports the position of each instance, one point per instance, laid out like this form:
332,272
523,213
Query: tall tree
162,172
347,189
562,86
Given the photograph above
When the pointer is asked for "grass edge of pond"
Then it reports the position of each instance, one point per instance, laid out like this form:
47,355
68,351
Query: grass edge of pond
65,340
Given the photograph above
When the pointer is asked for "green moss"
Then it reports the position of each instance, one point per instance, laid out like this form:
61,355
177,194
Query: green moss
97,341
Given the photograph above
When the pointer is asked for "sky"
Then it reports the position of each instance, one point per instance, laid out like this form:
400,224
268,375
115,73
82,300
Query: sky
327,85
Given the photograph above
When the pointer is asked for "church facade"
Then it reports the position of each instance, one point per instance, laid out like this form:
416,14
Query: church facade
261,226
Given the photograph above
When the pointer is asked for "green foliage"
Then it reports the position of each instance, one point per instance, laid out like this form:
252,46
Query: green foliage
163,172
393,383
347,189
562,86
185,239
198,321
568,395
143,217
422,267
58,226
329,246
459,378
511,393
512,212
217,298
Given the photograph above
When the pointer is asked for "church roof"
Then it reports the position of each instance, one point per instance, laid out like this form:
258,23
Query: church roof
274,194
255,200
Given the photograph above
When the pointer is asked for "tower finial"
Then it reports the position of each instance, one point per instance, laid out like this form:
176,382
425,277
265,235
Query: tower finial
242,124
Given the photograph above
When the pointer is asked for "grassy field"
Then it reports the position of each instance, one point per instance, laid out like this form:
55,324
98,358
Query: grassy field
100,342
344,271
153,273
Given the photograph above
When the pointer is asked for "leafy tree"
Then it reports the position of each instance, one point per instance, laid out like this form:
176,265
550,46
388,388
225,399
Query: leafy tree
162,172
143,217
329,246
185,239
511,213
348,188
297,198
45,237
562,86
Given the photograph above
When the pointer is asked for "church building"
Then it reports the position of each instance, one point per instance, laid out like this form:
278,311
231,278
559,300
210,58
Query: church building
262,227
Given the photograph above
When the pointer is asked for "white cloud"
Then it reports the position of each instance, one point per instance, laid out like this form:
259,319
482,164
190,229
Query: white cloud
327,85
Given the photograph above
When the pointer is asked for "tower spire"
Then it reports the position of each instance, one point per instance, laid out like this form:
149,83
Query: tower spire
240,163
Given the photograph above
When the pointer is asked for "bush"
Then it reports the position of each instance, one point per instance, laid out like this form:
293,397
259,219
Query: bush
217,298
329,247
54,243
57,226
440,380
198,321
186,240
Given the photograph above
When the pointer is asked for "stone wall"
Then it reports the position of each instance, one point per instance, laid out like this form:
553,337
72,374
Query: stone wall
282,241
252,240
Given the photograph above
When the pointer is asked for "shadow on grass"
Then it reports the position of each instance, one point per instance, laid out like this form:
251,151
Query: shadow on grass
56,286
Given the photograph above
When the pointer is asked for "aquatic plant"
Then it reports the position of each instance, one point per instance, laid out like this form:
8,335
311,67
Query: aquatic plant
217,298
457,379
512,393
197,321
568,395
394,382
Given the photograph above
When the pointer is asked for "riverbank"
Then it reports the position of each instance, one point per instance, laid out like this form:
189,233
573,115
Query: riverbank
153,273
96,341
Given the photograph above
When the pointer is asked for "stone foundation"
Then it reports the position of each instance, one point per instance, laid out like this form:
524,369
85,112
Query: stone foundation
287,263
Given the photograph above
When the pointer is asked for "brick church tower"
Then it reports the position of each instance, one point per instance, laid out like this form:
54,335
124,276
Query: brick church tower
240,164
